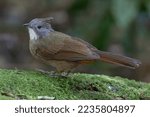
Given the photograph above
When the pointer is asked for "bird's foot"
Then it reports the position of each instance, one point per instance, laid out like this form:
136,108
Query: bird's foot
42,71
64,75
54,74
59,75
51,73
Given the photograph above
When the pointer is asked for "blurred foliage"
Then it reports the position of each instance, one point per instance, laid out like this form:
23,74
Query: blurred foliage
120,26
77,6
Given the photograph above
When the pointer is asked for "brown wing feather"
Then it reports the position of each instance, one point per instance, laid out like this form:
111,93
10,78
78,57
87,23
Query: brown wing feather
63,47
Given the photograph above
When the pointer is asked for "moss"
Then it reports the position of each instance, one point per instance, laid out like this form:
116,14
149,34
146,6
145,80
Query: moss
20,84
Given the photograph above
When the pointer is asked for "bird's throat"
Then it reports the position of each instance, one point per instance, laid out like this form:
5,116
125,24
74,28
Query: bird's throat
32,34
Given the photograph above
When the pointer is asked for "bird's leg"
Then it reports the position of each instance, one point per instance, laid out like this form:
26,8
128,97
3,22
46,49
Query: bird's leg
58,74
51,74
42,71
55,74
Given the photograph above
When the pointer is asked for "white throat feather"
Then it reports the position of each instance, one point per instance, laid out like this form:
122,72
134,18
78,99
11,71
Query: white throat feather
32,34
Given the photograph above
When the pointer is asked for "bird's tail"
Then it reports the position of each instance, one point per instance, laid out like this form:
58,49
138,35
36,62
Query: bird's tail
119,59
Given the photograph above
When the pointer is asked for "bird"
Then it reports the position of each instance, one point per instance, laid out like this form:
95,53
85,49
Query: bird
65,52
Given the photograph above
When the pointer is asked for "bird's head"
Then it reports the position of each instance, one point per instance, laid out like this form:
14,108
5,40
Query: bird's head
39,27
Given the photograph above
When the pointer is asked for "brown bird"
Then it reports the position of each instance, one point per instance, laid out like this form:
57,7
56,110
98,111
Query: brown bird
65,52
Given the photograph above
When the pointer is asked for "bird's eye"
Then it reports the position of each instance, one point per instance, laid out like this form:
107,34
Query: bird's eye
39,27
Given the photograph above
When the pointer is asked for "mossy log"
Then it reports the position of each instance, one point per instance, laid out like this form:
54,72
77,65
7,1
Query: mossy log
21,84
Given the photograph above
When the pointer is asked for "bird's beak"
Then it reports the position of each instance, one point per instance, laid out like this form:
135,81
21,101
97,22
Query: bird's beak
26,24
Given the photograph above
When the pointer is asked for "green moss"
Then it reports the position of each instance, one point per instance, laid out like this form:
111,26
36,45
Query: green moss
20,84
5,97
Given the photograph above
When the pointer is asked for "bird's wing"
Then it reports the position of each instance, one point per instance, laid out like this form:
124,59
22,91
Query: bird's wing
63,47
88,44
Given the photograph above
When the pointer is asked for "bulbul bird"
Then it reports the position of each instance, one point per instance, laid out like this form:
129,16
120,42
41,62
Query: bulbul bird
66,52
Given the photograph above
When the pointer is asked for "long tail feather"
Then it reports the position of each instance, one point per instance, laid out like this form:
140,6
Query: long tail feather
119,59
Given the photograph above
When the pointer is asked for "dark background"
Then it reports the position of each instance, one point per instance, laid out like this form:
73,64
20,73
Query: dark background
120,26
